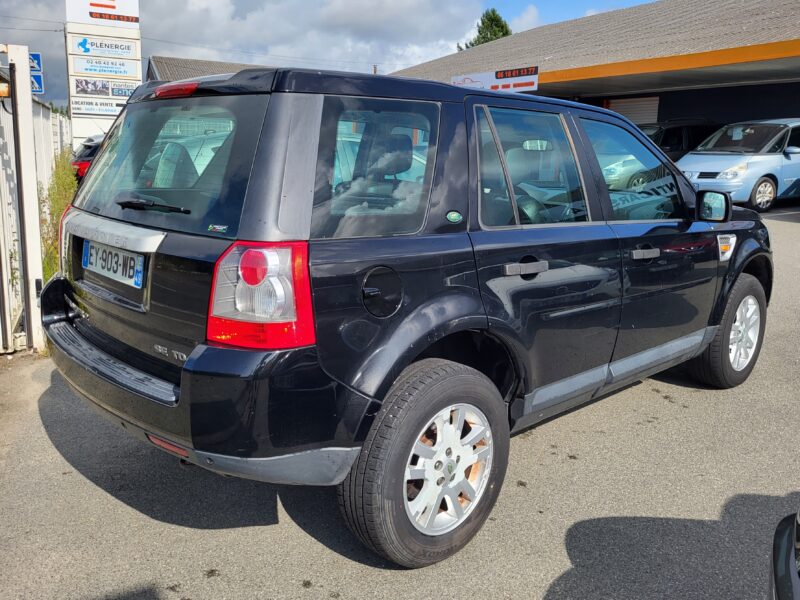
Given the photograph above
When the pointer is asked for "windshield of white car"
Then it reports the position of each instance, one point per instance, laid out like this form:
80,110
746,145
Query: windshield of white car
741,138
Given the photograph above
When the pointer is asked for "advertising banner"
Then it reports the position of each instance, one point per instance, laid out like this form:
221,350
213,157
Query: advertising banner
519,79
111,13
115,67
84,86
96,106
90,45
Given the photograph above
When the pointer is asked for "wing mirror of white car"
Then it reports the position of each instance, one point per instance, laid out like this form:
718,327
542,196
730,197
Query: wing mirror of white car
792,150
714,207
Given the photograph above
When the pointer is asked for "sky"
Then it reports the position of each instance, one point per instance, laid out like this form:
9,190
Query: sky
350,35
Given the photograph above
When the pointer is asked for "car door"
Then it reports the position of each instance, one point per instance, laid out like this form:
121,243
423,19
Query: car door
669,259
548,266
790,169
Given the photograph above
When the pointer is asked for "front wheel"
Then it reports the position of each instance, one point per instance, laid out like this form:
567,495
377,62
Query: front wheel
763,195
732,354
432,465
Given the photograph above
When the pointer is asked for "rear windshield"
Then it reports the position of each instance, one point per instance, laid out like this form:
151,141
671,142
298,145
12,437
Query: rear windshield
181,164
87,151
374,167
741,138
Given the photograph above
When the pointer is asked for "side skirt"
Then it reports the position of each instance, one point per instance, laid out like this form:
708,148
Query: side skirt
558,397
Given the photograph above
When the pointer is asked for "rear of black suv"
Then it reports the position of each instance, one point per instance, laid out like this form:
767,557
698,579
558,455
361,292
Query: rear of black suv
184,308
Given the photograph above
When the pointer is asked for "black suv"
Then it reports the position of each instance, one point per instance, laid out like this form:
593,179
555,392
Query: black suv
325,279
680,136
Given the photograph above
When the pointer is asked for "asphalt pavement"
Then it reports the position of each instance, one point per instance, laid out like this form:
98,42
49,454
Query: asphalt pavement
664,490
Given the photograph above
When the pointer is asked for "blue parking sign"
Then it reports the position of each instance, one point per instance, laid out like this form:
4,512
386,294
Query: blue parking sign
37,83
35,59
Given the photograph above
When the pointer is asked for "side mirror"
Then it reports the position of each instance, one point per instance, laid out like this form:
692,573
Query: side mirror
714,207
792,150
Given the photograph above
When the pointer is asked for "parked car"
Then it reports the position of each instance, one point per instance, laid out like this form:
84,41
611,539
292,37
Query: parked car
756,162
679,136
784,579
83,156
267,311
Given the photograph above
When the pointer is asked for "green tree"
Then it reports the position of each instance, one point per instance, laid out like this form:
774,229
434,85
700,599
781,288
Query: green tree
491,27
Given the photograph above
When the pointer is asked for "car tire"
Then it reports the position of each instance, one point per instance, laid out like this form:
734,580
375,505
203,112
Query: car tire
638,181
377,498
763,195
716,366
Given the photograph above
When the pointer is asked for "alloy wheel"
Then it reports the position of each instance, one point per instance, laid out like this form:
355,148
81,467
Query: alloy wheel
448,469
744,333
765,194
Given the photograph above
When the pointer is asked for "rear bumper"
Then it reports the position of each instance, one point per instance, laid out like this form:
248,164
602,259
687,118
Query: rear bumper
270,416
784,580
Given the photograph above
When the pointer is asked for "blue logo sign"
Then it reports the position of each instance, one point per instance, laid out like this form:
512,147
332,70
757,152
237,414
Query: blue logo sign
35,60
37,83
84,45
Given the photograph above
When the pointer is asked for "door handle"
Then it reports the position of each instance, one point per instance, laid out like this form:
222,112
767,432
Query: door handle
531,268
645,253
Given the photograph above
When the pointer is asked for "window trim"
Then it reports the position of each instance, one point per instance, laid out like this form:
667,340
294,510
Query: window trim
434,168
648,144
509,184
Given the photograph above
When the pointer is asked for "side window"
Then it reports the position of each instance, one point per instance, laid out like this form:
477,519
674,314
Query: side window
794,137
374,167
640,186
495,201
541,166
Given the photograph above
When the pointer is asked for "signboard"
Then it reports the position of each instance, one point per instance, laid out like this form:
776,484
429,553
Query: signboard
84,86
113,13
96,106
115,67
90,45
35,60
37,83
519,79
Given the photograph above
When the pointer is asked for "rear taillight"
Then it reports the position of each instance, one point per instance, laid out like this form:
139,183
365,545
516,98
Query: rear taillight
62,250
261,297
80,167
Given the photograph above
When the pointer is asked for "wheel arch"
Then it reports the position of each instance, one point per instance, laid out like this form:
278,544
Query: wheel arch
752,259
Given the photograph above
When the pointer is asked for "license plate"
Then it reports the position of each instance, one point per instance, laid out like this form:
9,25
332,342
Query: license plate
116,264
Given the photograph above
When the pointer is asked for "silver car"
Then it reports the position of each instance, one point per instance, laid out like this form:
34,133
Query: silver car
756,162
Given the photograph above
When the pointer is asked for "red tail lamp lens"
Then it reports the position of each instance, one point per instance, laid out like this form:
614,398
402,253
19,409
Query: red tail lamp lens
253,267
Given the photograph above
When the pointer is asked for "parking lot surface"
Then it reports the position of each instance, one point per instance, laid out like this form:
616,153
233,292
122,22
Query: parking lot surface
664,490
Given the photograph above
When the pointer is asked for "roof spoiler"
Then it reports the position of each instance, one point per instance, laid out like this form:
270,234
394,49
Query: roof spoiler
248,81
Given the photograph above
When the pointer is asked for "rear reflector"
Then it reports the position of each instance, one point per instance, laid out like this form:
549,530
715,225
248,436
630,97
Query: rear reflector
168,446
261,297
176,90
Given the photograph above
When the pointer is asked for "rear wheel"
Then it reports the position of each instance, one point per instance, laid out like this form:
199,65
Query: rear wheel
732,354
432,465
763,195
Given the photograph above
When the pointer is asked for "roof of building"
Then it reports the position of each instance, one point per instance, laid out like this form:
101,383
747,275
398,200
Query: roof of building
171,68
665,28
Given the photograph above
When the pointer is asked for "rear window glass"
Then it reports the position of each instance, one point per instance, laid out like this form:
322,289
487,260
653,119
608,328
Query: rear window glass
179,164
374,167
87,151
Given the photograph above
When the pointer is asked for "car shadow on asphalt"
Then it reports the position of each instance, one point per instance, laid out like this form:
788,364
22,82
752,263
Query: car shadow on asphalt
650,557
155,484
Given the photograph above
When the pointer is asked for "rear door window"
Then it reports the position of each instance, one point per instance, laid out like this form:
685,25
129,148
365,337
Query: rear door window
374,167
180,164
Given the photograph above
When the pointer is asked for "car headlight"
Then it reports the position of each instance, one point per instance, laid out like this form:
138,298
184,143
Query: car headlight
733,172
689,174
610,171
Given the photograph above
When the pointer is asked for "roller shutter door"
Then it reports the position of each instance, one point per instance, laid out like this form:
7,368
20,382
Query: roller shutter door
638,110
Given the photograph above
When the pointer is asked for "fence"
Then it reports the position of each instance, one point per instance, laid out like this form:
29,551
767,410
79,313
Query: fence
52,133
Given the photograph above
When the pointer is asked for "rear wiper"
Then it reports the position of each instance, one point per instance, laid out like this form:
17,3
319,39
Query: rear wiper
137,202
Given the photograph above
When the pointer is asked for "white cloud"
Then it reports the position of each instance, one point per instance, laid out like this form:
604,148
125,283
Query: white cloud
592,11
349,35
527,19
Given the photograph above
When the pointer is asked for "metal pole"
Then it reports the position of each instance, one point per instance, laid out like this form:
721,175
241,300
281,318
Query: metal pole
23,262
27,194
